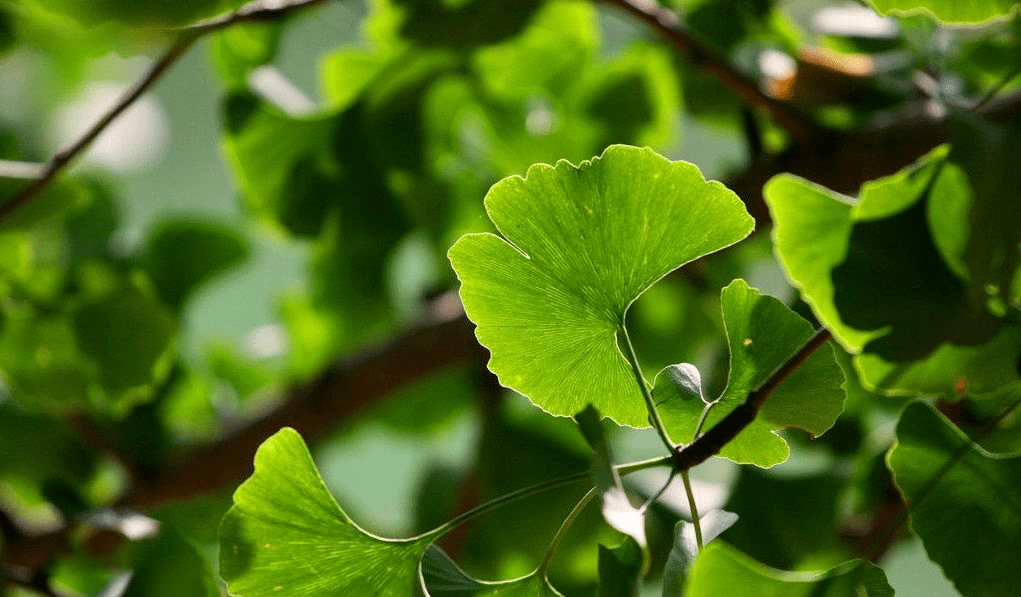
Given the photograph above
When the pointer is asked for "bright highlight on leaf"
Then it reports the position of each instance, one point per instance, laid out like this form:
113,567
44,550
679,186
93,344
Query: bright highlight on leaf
762,333
579,244
959,494
286,535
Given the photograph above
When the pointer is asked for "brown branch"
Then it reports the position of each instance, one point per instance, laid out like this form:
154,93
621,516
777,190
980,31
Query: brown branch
260,10
712,441
665,21
343,389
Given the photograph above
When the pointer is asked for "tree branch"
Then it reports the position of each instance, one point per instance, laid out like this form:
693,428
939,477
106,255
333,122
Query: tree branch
712,441
343,389
665,21
259,10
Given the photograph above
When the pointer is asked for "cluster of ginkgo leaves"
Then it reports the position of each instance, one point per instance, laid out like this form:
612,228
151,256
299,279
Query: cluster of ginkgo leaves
899,351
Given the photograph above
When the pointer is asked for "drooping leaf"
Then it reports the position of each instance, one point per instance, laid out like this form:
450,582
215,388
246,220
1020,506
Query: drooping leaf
685,549
722,570
621,569
443,578
183,255
960,496
286,534
762,333
617,509
580,244
950,11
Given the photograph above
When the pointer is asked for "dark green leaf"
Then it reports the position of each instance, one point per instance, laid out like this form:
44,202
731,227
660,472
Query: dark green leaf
183,255
960,495
170,566
621,569
551,311
128,335
762,333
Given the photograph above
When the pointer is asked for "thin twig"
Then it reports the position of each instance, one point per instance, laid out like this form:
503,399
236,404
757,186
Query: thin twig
712,441
260,10
996,89
665,21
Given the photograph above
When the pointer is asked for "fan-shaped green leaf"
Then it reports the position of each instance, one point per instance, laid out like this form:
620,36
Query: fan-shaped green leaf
580,244
762,333
960,495
286,535
722,570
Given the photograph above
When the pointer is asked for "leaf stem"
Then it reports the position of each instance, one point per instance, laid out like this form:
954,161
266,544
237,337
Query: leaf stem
654,419
623,469
694,510
562,531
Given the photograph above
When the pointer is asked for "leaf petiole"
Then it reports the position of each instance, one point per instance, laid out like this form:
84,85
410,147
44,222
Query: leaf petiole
623,469
650,405
694,510
562,531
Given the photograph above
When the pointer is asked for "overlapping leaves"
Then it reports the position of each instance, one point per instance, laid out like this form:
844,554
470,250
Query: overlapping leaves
579,244
915,275
762,333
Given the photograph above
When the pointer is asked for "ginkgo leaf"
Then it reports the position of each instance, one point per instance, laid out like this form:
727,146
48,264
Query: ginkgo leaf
762,333
579,244
960,495
443,578
286,535
722,570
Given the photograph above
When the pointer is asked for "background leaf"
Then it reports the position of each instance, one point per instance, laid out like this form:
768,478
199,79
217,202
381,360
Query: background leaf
959,494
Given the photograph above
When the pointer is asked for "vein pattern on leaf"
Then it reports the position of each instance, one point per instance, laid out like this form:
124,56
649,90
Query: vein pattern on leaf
579,244
286,535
